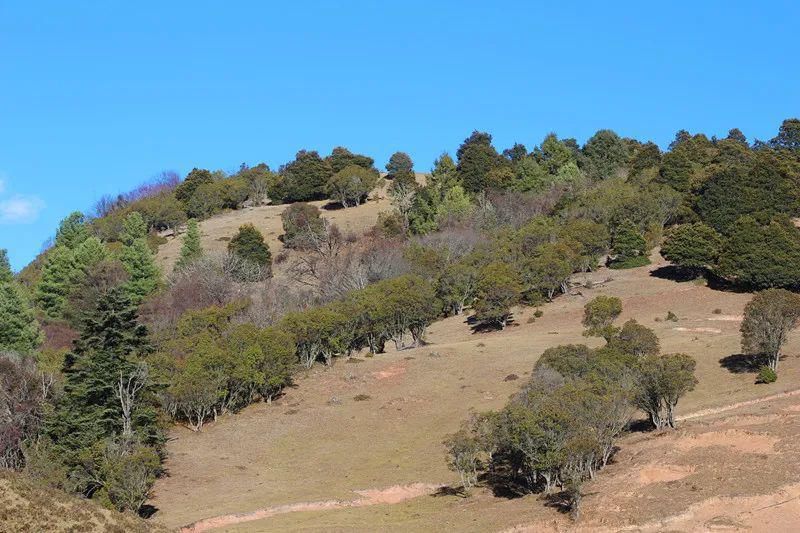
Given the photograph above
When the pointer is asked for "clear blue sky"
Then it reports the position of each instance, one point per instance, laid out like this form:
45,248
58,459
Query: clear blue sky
96,97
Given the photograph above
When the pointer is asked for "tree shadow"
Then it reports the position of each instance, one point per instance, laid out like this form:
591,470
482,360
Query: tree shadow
147,511
641,425
740,363
447,490
503,485
675,273
483,327
333,206
560,501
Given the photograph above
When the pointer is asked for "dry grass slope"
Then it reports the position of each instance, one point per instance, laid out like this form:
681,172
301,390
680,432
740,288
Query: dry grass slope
318,443
27,507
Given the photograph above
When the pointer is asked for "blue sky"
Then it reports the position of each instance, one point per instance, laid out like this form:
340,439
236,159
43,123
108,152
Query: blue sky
96,97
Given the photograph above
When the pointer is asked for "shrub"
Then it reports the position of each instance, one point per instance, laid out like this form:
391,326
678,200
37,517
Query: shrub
766,375
632,262
248,244
301,221
351,185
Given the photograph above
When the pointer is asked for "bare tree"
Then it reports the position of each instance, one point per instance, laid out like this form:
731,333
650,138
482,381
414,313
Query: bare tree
128,387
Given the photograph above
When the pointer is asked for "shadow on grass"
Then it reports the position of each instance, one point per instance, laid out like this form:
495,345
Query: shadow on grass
483,327
740,363
147,511
461,492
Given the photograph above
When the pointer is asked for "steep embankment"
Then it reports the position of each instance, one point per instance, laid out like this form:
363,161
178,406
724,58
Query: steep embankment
379,422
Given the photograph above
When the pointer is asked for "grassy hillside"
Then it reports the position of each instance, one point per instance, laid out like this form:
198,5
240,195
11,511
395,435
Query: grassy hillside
27,507
373,423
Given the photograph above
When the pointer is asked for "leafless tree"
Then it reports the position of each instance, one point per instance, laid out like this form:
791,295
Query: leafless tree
128,387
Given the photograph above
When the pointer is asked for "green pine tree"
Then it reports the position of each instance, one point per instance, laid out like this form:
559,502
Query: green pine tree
140,265
54,283
19,329
191,249
133,227
72,231
112,343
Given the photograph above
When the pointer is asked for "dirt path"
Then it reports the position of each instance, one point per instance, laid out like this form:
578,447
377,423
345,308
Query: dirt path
737,405
395,494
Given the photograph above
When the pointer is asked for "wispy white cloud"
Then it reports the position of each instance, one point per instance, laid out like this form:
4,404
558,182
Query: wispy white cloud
20,209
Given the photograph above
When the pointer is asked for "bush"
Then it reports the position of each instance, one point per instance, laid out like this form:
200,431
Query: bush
248,244
301,220
632,262
766,375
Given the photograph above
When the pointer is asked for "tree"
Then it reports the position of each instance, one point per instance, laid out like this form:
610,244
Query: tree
72,231
788,135
444,173
677,171
735,134
759,189
300,220
399,164
550,269
476,159
599,315
554,154
403,192
499,288
637,340
249,245
464,456
304,178
592,237
456,286
768,319
191,249
627,243
605,153
195,178
133,227
19,330
695,247
662,381
144,275
342,158
110,349
351,185
761,257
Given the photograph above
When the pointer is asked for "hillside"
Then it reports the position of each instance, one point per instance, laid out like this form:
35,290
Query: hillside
318,443
30,508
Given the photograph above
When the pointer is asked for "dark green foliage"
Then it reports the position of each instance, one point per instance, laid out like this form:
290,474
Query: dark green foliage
476,159
762,256
677,171
249,245
628,242
735,134
605,154
399,164
692,246
342,158
788,135
195,178
109,351
304,178
758,189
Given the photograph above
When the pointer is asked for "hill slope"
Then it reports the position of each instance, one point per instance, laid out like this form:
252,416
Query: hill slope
321,443
28,507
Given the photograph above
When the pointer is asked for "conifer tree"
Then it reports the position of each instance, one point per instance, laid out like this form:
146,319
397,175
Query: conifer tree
108,353
139,263
191,249
133,227
19,330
